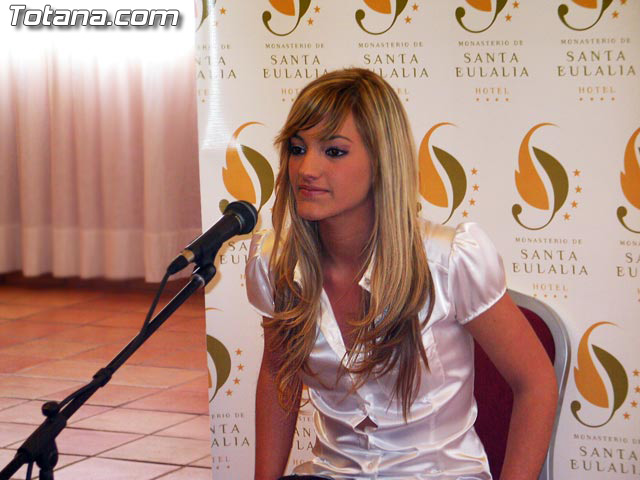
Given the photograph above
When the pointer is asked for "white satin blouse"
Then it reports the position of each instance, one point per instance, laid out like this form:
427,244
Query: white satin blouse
438,441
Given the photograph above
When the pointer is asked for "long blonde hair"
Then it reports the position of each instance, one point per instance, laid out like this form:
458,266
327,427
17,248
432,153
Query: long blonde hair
389,333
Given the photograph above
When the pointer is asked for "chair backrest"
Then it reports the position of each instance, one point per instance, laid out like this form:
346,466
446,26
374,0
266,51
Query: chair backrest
494,395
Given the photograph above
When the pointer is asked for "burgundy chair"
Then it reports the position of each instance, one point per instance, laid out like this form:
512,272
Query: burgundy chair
494,396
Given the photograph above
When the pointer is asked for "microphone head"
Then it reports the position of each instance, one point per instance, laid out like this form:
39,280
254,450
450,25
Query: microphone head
246,214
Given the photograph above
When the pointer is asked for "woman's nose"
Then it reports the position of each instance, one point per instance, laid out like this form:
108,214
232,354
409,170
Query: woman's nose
310,165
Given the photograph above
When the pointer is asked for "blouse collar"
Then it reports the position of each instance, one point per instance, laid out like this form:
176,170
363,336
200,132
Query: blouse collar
365,281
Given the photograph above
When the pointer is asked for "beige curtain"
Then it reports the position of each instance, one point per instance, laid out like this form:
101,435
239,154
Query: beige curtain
98,150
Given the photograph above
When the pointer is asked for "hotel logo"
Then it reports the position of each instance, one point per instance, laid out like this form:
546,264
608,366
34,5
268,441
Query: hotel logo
385,14
221,361
235,175
202,11
483,14
287,8
606,392
432,184
547,198
630,181
585,10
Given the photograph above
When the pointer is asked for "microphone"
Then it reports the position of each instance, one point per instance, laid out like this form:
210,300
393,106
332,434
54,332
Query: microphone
238,218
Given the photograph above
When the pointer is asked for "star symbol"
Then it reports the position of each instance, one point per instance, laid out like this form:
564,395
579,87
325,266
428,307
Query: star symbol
229,393
236,381
634,404
465,214
476,188
578,189
241,367
474,171
574,204
516,4
415,7
567,216
310,21
636,373
223,11
623,2
626,416
407,19
316,9
472,202
576,173
508,17
615,14
238,352
637,389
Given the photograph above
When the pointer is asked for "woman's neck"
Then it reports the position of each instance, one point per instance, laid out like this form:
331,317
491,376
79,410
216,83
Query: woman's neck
343,242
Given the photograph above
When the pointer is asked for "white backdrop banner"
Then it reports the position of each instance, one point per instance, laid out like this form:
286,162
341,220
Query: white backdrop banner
527,118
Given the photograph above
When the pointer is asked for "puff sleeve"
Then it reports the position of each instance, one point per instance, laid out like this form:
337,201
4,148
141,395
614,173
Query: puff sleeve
258,280
476,273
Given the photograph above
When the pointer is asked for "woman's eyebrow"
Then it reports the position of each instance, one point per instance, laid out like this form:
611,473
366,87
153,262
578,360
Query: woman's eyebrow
333,137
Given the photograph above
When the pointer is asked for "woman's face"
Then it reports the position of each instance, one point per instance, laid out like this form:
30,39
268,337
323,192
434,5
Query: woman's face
331,178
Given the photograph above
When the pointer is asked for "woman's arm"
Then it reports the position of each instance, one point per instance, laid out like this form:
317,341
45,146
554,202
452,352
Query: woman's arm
274,426
512,345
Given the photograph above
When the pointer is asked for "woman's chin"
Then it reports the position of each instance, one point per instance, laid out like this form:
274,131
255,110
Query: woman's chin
310,214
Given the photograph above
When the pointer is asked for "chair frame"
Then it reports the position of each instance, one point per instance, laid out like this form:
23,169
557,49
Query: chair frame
561,362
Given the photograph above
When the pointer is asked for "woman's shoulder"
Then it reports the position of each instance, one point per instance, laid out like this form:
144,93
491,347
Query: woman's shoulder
438,240
441,241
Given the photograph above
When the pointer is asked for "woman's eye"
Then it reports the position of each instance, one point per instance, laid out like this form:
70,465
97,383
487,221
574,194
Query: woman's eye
296,149
335,152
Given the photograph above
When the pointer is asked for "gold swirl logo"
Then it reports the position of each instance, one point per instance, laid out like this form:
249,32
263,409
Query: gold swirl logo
485,9
591,384
235,176
389,10
531,187
221,364
585,6
288,8
432,185
630,179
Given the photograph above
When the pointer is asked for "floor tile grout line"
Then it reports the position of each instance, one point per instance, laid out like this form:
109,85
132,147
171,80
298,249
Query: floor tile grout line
130,307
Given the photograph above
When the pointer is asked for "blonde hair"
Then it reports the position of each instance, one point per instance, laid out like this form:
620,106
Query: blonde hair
389,333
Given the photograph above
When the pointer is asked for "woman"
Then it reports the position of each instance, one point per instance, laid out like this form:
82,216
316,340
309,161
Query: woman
375,310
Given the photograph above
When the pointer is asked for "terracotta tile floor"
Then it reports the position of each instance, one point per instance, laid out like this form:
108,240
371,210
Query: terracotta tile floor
150,422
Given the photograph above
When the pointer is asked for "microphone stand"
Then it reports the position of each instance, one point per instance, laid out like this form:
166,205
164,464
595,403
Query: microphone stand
41,445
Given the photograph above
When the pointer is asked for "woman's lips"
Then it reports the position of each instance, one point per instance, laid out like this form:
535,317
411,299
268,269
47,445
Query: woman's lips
309,191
